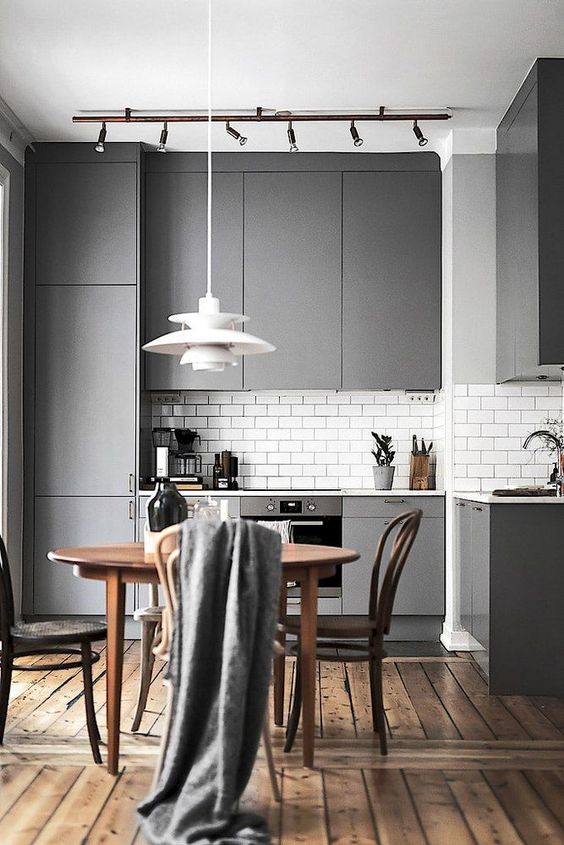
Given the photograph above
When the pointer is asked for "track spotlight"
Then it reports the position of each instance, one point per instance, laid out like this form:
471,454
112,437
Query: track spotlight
421,139
234,134
357,140
292,138
163,139
101,138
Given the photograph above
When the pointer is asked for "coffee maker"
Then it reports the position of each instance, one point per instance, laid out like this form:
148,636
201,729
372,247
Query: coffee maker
161,442
176,459
185,462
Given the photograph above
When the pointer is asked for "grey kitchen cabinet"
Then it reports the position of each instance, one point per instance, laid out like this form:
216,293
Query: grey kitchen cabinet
530,249
85,421
472,544
86,229
391,280
175,266
421,587
463,555
292,268
75,521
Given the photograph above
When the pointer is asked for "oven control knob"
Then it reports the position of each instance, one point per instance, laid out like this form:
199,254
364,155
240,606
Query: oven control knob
270,506
311,506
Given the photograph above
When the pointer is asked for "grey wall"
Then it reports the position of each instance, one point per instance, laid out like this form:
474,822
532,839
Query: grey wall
12,404
473,269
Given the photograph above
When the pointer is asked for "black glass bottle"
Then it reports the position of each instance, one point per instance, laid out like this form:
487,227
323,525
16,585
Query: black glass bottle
166,506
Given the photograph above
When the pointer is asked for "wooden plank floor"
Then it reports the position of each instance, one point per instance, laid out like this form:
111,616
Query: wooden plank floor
464,768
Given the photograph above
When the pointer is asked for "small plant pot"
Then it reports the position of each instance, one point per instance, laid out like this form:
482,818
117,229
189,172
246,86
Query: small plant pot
383,477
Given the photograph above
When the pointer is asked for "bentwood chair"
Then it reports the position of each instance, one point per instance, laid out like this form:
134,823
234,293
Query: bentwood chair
151,622
167,554
343,639
27,639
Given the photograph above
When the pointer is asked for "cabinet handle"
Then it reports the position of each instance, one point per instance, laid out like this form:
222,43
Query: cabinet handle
476,509
130,510
460,505
130,483
394,501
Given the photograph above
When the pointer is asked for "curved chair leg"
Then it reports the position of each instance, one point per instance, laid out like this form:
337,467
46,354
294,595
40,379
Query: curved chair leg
148,630
5,683
378,704
294,718
270,760
93,733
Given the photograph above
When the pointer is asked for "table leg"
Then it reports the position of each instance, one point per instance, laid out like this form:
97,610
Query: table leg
280,662
308,646
115,615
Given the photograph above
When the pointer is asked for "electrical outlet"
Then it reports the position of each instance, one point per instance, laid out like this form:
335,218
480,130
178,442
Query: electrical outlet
420,398
166,398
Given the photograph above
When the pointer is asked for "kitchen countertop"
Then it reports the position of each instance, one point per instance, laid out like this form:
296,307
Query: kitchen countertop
488,499
220,494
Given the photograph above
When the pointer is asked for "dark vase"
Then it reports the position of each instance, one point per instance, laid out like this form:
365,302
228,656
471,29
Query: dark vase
166,506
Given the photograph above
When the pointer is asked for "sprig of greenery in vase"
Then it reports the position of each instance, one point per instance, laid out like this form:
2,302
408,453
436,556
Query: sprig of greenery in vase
383,453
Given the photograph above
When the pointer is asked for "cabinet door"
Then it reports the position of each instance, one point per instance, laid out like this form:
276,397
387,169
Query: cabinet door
293,278
463,554
75,521
86,224
85,390
421,587
481,575
175,268
392,280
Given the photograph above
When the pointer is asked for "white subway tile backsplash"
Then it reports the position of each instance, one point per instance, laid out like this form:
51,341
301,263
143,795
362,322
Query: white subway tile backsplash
310,439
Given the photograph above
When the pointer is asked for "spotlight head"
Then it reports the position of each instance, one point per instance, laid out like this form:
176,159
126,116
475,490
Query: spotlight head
292,138
421,139
101,138
357,140
234,134
163,139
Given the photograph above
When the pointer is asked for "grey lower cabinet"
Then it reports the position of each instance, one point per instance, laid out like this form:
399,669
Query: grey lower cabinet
472,549
75,521
83,210
392,280
419,604
175,268
85,423
292,269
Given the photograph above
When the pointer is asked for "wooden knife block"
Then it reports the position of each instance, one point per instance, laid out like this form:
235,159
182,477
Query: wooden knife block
419,472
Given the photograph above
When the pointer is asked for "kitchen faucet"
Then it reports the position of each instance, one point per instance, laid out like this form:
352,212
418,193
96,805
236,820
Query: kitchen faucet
548,435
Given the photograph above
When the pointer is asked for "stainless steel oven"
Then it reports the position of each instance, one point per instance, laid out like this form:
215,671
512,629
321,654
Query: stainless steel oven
313,519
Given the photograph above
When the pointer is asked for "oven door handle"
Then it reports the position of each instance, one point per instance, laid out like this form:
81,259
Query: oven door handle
310,523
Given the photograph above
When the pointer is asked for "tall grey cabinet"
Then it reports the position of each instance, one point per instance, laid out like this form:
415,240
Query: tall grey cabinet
81,385
530,218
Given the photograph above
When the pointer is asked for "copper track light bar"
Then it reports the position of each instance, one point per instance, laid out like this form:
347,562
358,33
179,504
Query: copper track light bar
260,116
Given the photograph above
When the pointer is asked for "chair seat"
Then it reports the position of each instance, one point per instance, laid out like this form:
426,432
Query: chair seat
60,631
148,614
335,627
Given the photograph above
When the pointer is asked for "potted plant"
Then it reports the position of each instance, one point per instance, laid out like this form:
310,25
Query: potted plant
384,455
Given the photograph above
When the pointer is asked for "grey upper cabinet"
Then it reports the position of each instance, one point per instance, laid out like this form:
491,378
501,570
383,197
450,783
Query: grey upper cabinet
86,231
85,428
530,218
293,278
175,265
392,280
75,521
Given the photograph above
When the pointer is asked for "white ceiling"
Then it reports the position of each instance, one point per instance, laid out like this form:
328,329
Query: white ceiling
58,57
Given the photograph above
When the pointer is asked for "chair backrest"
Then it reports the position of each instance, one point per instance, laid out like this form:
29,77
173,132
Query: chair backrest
167,553
6,596
382,595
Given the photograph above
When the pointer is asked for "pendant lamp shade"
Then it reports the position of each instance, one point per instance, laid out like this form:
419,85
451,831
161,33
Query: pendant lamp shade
208,339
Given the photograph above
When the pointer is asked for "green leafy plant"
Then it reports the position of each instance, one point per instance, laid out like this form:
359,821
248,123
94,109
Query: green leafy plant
383,453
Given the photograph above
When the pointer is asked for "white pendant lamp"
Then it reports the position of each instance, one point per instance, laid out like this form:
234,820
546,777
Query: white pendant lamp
207,338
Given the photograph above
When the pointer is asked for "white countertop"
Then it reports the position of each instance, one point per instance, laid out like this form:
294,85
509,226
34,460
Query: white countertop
220,494
488,499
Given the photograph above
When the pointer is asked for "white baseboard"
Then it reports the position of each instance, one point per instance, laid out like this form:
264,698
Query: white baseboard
459,640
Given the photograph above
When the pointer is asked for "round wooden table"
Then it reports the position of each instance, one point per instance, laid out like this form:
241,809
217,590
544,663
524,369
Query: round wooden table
126,563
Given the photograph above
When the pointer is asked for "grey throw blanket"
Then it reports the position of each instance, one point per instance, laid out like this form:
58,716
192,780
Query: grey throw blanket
220,666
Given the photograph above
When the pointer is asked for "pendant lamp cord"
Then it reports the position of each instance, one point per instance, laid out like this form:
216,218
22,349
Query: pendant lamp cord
209,226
